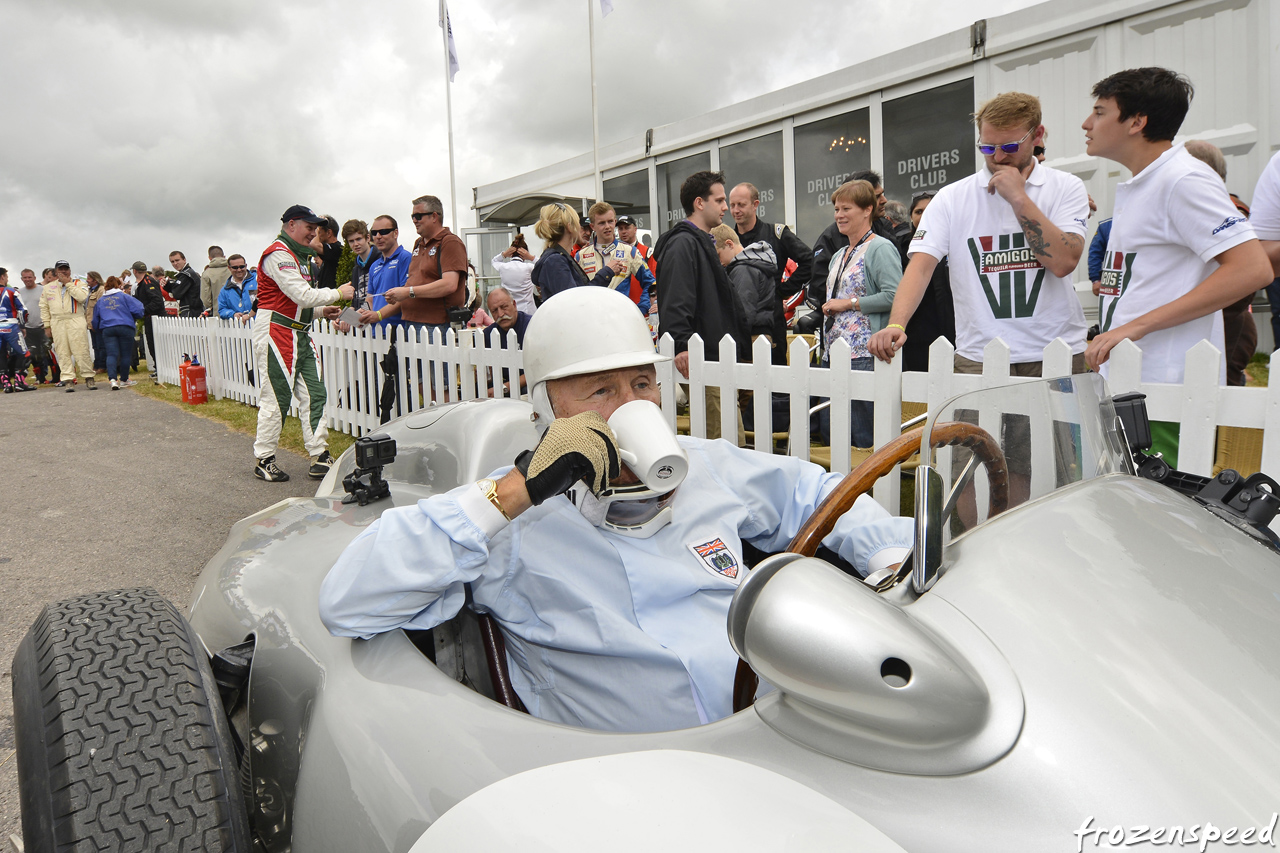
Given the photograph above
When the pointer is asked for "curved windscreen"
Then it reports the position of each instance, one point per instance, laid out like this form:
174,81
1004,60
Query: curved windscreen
1051,433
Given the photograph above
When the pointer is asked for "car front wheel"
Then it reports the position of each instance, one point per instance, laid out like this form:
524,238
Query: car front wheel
121,739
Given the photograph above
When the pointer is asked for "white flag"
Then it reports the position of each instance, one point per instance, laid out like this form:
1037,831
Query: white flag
447,26
606,6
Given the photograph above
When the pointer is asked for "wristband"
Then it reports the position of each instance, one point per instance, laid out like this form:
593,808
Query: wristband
379,313
896,326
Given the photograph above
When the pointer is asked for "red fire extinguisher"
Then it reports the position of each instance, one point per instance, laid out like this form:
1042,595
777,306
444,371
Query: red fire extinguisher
196,389
182,376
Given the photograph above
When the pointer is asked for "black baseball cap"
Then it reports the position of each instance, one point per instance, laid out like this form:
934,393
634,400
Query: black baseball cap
306,214
60,264
139,266
585,222
624,219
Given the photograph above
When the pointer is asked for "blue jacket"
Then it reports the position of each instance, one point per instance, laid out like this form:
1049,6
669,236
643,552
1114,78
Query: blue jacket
235,298
116,308
384,274
556,271
1098,250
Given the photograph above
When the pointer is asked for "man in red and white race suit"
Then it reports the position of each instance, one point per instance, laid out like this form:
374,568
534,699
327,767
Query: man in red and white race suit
286,358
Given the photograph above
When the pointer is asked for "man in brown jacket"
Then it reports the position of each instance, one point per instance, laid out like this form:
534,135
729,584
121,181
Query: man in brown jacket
437,278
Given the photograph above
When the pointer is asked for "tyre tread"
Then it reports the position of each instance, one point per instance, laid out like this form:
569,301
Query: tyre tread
131,743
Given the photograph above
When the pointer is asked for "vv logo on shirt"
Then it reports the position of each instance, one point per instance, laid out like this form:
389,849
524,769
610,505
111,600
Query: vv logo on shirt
1008,260
1117,269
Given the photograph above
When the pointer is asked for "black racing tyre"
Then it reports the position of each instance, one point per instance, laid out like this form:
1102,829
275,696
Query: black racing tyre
121,739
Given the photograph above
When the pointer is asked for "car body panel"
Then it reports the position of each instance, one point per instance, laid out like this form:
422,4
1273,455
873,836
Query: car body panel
1151,689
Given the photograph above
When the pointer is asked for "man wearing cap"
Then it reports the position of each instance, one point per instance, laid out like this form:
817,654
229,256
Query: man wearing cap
612,592
285,356
149,292
627,234
62,307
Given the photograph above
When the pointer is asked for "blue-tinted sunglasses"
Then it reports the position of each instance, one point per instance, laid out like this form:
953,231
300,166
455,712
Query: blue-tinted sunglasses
1007,147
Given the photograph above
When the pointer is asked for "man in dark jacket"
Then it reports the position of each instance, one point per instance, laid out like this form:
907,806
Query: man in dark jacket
185,286
147,291
831,239
694,294
744,205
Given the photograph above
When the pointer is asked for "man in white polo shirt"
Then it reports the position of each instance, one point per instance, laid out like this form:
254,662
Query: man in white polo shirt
1014,233
1265,213
1179,251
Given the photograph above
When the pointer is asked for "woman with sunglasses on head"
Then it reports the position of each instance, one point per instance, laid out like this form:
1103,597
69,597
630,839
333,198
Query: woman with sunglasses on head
556,270
861,282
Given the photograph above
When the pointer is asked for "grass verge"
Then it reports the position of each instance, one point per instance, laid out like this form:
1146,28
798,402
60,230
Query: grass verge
237,416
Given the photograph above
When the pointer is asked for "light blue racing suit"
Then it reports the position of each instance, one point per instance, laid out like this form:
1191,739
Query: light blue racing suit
603,631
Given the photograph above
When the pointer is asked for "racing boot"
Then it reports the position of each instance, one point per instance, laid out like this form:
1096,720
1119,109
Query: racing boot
267,469
6,383
20,384
320,466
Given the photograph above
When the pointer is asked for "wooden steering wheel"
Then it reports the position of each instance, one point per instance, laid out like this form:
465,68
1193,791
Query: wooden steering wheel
860,481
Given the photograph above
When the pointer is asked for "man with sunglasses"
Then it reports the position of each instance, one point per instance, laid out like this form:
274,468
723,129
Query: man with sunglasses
1014,233
235,298
388,271
437,276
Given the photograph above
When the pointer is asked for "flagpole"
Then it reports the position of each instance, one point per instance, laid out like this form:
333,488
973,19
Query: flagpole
448,107
595,111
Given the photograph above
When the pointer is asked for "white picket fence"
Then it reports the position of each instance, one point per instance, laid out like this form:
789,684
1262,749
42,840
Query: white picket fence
351,366
353,377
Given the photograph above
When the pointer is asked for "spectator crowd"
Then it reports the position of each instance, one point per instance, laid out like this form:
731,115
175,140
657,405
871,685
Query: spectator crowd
990,255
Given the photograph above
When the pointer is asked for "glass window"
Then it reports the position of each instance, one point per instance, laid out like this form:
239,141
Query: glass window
670,177
757,161
928,140
629,194
827,153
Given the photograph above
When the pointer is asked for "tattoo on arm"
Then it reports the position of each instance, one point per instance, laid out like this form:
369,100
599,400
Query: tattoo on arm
1074,242
1035,236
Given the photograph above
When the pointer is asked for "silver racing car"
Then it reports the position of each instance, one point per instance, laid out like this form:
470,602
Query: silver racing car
1083,650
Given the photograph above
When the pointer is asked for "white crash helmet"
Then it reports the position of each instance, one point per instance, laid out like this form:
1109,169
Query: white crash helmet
582,330
586,330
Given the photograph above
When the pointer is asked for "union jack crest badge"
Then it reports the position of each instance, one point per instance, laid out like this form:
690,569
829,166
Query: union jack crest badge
717,558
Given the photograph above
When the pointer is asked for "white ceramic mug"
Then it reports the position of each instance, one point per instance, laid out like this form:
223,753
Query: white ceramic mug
648,445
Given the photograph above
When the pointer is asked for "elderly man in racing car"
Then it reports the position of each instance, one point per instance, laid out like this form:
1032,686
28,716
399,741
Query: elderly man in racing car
613,595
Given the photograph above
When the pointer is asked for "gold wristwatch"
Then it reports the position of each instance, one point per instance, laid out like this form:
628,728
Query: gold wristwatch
490,489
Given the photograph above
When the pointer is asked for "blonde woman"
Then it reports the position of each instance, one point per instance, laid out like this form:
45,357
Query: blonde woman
556,270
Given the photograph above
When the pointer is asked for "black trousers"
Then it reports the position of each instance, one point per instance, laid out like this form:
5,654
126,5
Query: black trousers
38,343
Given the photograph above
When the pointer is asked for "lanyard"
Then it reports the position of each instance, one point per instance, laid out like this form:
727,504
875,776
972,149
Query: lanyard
848,258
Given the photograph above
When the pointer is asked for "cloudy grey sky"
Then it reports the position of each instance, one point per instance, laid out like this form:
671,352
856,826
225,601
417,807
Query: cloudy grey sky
133,127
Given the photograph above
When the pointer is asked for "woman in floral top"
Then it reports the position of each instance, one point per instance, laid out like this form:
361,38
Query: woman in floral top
860,286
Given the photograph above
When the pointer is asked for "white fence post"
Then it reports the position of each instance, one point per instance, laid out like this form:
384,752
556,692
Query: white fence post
1199,410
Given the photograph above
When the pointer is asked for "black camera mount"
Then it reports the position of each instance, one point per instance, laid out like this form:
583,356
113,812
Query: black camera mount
365,483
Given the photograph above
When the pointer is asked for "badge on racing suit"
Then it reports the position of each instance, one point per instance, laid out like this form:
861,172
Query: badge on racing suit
716,557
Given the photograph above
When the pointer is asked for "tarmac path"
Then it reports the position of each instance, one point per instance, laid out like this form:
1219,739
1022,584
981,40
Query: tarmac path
109,489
